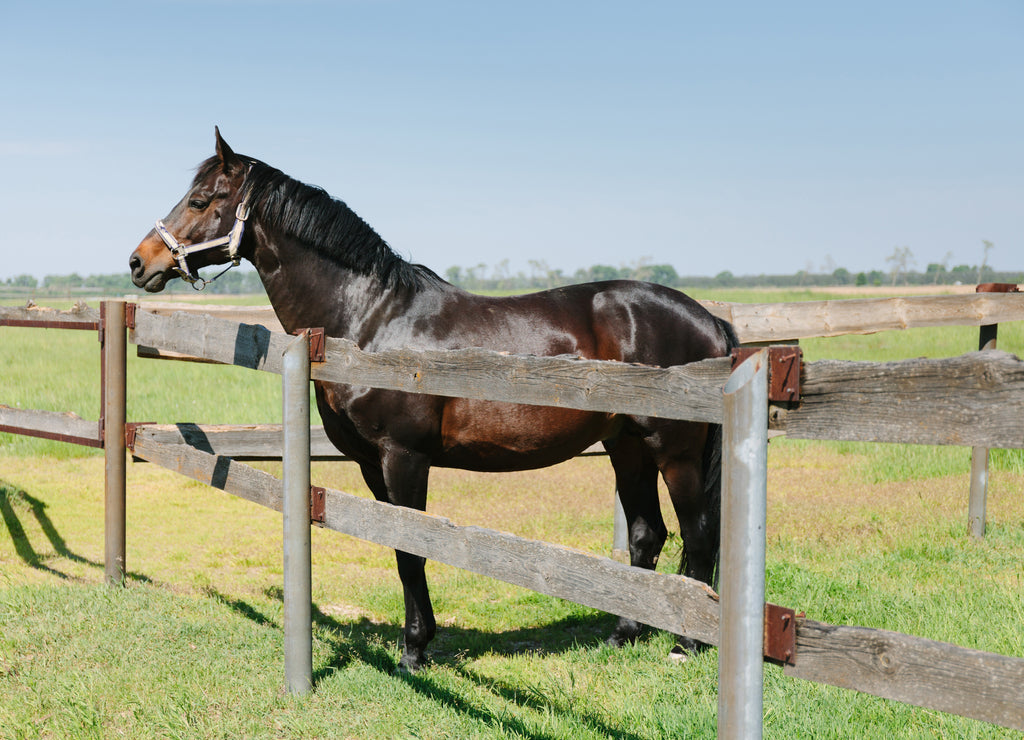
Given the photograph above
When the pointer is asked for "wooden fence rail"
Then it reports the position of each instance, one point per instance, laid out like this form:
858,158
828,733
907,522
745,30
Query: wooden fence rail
976,399
774,322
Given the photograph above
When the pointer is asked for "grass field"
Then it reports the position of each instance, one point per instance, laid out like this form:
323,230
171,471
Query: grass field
192,648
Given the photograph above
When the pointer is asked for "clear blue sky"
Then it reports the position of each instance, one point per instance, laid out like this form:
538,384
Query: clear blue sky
750,137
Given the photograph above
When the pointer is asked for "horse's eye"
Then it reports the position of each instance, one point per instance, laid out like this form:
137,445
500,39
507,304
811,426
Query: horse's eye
198,205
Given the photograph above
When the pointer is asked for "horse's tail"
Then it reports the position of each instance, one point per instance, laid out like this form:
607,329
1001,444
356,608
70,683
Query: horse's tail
712,464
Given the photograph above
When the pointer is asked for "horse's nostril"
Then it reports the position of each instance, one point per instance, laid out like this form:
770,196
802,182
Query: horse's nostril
134,263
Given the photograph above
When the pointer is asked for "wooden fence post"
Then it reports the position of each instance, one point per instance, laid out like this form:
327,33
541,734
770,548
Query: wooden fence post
113,351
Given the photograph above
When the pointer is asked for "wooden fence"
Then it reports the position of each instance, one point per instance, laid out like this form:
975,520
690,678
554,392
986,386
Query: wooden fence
973,400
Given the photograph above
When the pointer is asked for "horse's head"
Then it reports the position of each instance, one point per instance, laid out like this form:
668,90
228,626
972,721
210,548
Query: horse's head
205,228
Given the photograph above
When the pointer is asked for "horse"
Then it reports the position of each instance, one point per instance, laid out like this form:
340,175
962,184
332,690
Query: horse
322,265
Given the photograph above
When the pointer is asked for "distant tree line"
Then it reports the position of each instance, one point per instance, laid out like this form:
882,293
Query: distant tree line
238,281
500,277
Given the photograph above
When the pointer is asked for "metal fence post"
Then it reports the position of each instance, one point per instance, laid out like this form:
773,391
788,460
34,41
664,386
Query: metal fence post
298,630
977,501
620,532
113,352
744,505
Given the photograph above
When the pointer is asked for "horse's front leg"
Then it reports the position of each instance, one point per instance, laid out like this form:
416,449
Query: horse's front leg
403,482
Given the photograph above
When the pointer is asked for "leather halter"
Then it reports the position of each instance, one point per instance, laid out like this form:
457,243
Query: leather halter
181,251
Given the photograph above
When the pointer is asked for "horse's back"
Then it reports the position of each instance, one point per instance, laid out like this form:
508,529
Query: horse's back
623,320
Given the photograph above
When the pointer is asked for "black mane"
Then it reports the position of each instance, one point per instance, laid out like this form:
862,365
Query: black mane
326,225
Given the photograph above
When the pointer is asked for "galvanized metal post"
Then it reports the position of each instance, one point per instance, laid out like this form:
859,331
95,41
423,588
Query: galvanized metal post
744,506
977,502
113,351
620,532
298,631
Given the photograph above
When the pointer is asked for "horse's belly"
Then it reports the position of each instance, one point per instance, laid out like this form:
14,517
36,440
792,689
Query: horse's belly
505,436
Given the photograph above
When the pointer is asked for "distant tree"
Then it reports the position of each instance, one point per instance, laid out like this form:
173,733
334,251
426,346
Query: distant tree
862,279
842,276
453,275
663,275
900,259
604,272
22,281
987,246
962,273
725,278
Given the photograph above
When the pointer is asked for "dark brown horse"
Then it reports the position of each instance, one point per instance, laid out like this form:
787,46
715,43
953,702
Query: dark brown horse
323,266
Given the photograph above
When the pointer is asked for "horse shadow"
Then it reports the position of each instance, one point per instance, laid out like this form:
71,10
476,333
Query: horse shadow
14,504
372,643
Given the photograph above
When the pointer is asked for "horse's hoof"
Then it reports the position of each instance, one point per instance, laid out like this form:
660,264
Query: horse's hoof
625,633
616,641
678,655
410,664
686,648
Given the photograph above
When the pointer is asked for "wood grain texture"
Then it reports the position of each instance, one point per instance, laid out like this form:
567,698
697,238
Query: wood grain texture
773,322
50,424
258,315
239,441
210,338
220,472
913,670
674,603
79,314
974,400
686,392
253,441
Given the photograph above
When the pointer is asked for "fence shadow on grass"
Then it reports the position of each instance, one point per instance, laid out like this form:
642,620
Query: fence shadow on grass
14,504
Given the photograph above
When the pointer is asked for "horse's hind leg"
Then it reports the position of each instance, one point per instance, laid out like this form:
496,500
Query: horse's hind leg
403,482
697,510
636,478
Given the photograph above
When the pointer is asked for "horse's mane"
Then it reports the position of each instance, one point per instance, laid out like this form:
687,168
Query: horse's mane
326,225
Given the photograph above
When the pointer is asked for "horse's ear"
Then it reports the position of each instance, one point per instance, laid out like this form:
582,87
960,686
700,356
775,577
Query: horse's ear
225,154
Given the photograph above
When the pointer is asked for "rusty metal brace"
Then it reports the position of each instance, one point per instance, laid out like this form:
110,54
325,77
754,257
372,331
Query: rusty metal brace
317,347
780,634
130,430
785,363
317,501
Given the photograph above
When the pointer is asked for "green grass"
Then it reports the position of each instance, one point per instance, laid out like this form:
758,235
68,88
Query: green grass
192,647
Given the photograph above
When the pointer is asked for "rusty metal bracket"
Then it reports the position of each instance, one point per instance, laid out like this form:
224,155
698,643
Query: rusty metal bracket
129,315
317,501
779,634
785,363
317,347
130,429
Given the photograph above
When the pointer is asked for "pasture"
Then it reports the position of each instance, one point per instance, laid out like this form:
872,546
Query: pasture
856,534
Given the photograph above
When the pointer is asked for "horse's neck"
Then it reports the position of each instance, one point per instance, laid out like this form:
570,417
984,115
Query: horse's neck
308,289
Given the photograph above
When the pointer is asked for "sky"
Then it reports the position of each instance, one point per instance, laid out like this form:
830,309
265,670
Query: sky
737,136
